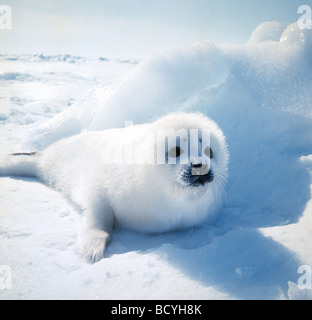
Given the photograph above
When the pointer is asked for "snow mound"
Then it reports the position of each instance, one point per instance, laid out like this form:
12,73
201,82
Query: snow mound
198,77
266,31
166,82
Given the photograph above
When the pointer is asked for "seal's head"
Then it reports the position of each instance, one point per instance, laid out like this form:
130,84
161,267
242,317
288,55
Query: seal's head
181,178
195,153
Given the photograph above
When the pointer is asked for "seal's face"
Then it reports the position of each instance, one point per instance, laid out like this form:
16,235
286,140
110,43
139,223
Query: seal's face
198,171
195,155
197,161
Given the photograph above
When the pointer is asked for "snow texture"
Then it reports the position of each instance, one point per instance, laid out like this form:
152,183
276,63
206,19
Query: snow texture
260,95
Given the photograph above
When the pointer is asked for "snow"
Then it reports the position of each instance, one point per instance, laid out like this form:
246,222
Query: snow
260,95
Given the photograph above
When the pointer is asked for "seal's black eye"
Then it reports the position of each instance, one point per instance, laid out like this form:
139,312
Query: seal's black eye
208,152
175,152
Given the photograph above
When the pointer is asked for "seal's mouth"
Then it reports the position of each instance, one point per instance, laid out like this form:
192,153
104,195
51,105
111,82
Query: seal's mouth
194,180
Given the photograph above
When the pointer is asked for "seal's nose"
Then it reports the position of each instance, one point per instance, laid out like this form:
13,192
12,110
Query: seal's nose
196,165
199,169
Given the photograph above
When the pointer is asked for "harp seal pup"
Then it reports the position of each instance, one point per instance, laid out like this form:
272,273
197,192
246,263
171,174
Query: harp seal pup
149,178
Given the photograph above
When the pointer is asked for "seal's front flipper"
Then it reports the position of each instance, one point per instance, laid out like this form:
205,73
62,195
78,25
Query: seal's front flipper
97,232
92,243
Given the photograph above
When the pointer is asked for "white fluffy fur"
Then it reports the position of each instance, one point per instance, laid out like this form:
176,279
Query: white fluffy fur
142,197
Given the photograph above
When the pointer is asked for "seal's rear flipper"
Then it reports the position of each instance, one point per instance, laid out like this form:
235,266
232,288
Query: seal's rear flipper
33,153
22,164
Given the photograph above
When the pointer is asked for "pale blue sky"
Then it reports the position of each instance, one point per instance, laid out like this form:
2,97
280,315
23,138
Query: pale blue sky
134,28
